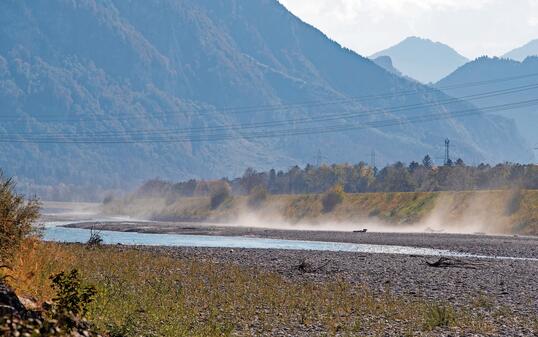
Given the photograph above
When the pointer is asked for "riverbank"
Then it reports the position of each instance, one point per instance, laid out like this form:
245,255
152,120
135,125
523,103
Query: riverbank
477,244
493,212
241,292
487,286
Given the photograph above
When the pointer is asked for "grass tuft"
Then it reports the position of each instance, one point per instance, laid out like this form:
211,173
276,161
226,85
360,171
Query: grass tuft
440,316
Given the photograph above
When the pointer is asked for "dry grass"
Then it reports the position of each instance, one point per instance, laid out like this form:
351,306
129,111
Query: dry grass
34,263
525,219
140,292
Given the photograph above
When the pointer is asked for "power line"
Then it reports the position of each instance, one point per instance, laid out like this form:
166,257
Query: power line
289,132
323,129
305,104
325,118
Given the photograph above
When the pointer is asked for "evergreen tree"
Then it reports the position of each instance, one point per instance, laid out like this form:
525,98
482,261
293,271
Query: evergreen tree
427,162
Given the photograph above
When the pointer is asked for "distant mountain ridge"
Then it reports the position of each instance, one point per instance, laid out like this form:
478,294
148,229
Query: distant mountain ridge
521,53
423,59
145,74
385,62
525,73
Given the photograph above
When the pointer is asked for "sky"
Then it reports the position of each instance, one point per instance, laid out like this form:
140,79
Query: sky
472,27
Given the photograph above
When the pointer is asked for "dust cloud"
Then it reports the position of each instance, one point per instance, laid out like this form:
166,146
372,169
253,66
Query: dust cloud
475,212
469,212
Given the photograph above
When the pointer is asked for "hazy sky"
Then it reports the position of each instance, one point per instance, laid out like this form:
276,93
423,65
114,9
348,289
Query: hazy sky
472,27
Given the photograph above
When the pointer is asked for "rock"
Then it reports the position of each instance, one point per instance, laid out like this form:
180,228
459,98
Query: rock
10,303
29,303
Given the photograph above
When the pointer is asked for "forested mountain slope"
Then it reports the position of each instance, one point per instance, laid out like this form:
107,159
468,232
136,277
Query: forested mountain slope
113,92
524,73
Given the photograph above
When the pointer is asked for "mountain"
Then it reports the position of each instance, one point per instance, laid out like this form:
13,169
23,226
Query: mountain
521,53
491,69
112,92
423,59
385,62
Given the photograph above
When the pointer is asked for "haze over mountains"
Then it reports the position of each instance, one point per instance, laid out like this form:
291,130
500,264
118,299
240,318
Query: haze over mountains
423,59
521,53
525,73
113,92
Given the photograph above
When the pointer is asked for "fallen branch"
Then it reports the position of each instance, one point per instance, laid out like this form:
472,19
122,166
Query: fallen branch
446,262
307,267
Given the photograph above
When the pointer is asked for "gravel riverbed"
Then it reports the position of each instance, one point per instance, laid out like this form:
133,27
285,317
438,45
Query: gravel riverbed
493,287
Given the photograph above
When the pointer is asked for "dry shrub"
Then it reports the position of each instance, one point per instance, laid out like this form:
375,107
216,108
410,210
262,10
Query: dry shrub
333,198
220,192
17,218
33,264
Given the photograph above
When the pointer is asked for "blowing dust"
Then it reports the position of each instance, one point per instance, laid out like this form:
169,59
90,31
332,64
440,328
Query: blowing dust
476,212
468,212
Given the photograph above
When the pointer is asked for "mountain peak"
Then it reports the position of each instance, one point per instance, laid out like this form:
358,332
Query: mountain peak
385,62
521,53
423,59
418,39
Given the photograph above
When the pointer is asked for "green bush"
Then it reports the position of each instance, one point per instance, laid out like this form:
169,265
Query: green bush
220,192
71,295
333,198
257,196
17,218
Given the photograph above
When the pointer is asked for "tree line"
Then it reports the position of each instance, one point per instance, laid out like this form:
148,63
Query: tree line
359,178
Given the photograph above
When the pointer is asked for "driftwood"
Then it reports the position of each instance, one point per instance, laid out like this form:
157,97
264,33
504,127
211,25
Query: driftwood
447,262
95,237
307,267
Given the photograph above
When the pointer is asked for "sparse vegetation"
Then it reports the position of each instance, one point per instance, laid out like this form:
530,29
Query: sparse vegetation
140,292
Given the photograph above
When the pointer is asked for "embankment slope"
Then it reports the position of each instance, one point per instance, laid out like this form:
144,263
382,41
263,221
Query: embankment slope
494,212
